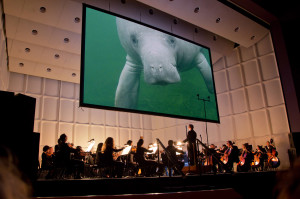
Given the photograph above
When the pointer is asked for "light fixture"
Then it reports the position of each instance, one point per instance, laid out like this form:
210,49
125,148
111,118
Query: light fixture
56,56
77,19
42,9
236,29
27,50
150,11
218,20
66,40
175,21
253,37
49,70
73,74
196,30
196,10
34,32
21,64
215,38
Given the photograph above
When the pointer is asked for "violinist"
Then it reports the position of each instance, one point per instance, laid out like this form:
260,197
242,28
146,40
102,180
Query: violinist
230,155
245,159
108,159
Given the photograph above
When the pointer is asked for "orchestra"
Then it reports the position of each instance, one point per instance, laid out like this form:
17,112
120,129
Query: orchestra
137,161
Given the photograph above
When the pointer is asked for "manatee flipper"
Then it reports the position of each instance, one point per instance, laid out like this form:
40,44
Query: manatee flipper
128,86
206,71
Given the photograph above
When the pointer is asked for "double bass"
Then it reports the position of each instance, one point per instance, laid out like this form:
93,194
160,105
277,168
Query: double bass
273,160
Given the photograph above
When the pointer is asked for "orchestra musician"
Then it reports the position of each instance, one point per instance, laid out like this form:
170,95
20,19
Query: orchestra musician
148,166
191,147
259,158
108,158
245,159
63,157
230,156
272,161
47,158
172,151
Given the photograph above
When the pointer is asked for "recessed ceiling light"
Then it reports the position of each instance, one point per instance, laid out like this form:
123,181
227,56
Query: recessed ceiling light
21,64
196,30
66,40
151,12
253,37
77,19
27,50
196,10
56,56
236,29
34,32
73,74
215,38
42,9
175,21
48,69
218,20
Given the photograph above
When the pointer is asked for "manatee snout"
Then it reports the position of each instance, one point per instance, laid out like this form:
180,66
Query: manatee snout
160,66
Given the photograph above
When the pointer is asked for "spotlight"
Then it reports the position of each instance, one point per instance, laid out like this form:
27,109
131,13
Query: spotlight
48,69
34,32
196,10
42,9
27,50
218,20
77,20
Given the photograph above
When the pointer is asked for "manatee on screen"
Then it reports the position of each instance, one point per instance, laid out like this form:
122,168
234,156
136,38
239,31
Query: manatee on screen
161,57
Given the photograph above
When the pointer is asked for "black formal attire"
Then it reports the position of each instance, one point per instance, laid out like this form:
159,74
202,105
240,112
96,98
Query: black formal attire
148,166
47,162
108,160
174,162
192,151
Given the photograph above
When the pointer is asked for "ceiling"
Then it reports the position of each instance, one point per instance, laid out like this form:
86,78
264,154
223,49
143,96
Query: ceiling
44,36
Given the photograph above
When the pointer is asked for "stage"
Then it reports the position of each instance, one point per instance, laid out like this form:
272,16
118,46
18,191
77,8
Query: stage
247,185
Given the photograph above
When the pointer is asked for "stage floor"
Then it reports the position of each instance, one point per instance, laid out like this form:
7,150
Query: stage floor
249,185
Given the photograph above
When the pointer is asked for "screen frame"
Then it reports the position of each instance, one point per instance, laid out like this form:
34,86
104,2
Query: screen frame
87,105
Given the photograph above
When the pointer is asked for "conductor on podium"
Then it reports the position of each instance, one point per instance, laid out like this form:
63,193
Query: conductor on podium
191,147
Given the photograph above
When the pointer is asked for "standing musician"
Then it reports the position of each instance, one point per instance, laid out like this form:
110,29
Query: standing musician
191,147
245,159
148,166
108,159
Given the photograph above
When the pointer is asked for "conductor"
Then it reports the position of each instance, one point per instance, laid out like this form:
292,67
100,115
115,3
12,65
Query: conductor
191,147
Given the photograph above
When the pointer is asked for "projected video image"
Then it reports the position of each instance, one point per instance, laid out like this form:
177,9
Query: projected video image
128,66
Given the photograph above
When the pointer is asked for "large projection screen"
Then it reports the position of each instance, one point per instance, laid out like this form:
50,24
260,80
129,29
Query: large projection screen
129,66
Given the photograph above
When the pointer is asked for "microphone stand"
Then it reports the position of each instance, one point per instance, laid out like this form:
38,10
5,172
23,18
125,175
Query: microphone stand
205,100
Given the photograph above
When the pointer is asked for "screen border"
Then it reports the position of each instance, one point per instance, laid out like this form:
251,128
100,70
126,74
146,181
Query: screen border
82,104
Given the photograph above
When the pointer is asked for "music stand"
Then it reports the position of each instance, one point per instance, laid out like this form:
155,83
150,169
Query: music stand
205,100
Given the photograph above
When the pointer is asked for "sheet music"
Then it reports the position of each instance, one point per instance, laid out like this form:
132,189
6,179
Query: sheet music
126,150
154,149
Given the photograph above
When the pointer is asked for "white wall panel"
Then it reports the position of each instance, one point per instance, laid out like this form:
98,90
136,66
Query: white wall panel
148,137
97,133
36,127
77,91
226,129
247,53
16,82
50,108
135,136
34,85
221,82
51,87
219,65
251,72
124,137
235,77
37,105
67,110
279,120
66,128
48,136
124,119
268,67
232,59
213,133
239,101
265,46
81,114
111,118
255,96
67,90
111,132
81,136
135,120
224,104
242,126
274,92
97,116
147,123
260,123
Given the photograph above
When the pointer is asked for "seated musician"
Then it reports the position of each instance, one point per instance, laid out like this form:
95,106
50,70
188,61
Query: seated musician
259,158
230,156
98,153
210,160
148,166
174,162
244,164
63,157
47,158
108,150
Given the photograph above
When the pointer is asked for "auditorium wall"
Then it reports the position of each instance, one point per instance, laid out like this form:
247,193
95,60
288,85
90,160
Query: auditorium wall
4,74
250,100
